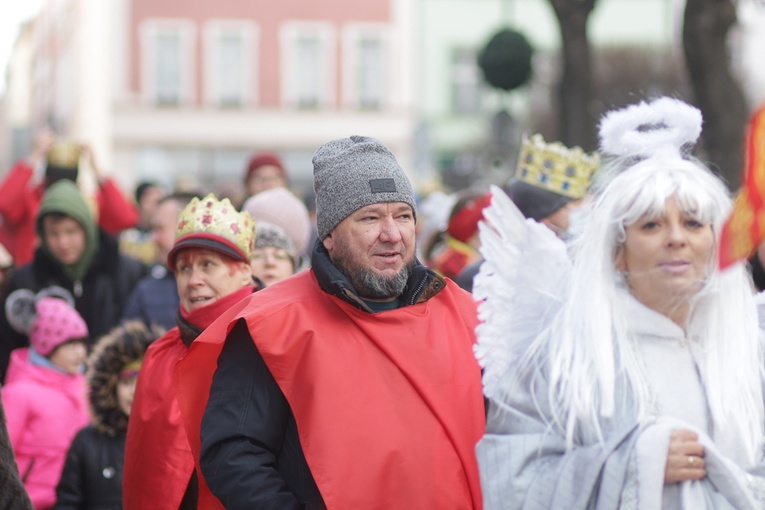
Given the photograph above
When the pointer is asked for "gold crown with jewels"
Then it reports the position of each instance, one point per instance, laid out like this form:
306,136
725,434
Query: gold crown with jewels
555,167
210,217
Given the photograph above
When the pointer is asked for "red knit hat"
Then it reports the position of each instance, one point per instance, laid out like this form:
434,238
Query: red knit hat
56,323
464,223
262,159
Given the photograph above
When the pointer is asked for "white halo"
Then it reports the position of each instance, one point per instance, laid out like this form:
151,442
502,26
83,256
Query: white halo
671,125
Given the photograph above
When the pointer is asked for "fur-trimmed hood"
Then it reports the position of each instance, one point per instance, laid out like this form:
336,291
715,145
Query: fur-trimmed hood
120,346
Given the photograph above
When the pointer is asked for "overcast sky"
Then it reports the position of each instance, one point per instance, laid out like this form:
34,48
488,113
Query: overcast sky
12,14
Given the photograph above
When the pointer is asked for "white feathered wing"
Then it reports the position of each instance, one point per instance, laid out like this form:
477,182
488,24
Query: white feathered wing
521,285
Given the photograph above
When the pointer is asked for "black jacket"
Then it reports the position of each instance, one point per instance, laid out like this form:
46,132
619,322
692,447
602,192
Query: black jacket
13,495
92,475
100,297
251,455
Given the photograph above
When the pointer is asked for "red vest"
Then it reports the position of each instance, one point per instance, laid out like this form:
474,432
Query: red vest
158,460
388,406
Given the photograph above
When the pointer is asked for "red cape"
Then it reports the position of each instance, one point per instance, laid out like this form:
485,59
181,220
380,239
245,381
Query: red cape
388,406
153,481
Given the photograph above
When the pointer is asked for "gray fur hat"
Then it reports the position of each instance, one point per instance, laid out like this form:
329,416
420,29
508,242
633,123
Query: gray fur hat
354,172
268,235
122,345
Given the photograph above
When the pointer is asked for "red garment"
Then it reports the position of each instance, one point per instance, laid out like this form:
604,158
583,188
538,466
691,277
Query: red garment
388,405
21,201
158,460
455,257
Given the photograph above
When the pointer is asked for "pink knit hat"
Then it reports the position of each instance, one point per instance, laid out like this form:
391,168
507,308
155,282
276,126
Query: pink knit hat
280,207
56,323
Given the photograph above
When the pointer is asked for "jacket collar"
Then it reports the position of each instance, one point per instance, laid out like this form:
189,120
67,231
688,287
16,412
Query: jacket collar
422,285
642,320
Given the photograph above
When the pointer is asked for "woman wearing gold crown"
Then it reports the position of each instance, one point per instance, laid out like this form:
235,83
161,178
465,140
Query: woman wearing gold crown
210,258
633,376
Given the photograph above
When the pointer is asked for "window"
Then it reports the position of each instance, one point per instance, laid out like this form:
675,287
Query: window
167,68
308,65
466,82
365,66
231,61
167,62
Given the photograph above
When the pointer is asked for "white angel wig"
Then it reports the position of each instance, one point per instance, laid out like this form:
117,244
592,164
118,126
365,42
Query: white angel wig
589,346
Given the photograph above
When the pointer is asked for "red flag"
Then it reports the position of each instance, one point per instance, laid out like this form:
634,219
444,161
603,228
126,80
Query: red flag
745,228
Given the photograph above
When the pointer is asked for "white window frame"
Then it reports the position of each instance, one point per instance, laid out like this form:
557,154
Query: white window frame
458,79
250,61
353,34
289,34
149,31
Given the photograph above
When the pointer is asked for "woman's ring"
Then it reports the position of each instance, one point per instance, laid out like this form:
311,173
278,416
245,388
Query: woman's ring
690,460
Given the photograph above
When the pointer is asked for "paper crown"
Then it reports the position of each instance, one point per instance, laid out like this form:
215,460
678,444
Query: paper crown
64,154
217,225
555,167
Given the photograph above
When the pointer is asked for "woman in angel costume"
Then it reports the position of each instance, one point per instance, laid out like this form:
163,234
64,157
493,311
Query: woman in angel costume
630,374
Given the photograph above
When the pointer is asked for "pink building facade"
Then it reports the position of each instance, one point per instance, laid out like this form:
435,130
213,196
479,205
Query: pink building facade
185,91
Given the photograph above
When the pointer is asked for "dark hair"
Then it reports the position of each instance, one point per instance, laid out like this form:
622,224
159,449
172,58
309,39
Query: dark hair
181,197
55,216
142,187
55,173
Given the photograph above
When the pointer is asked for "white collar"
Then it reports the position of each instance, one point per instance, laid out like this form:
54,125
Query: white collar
642,320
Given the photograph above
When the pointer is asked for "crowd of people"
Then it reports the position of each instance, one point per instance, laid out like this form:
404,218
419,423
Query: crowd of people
566,340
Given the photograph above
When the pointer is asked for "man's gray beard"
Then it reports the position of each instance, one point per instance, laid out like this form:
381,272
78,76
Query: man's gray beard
371,285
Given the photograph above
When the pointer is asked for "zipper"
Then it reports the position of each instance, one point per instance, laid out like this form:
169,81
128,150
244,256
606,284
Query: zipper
77,288
419,289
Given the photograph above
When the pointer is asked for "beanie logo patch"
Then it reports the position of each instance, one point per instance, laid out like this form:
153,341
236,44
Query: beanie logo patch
382,185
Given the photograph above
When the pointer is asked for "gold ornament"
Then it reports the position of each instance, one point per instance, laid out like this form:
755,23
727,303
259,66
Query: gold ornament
219,218
555,167
64,154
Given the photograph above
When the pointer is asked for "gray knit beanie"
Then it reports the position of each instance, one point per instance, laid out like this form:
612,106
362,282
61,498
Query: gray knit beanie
268,235
352,173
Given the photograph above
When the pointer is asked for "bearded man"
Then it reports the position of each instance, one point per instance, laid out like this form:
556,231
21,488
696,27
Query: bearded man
351,385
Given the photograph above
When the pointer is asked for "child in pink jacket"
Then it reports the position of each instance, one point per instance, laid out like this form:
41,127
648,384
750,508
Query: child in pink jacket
44,397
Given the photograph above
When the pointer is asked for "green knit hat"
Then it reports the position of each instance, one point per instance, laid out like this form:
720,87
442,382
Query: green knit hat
63,197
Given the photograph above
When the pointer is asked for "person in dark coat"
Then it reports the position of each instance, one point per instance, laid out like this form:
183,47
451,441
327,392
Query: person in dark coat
351,385
13,495
79,257
92,475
